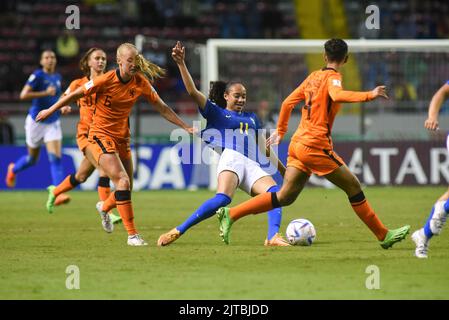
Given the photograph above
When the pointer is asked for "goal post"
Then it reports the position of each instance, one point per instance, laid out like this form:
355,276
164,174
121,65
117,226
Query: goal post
412,70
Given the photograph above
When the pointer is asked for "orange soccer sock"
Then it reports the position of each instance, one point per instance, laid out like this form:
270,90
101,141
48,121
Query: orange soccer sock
364,211
66,185
260,203
103,188
110,203
125,209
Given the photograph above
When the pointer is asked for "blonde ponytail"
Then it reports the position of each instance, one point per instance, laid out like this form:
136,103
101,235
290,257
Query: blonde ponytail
148,68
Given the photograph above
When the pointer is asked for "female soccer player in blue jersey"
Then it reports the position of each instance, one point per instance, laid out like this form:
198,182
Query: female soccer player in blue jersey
44,88
237,166
440,210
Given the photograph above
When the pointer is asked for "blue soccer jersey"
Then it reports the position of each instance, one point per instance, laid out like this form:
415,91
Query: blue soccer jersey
40,81
230,129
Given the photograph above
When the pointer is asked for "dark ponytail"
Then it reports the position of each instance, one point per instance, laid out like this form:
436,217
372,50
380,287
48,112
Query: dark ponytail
217,91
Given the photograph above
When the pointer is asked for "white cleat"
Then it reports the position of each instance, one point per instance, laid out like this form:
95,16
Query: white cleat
438,218
106,222
136,240
422,244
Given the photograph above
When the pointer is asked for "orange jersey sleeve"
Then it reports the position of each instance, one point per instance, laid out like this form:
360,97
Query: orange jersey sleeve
337,93
73,86
323,94
287,106
148,91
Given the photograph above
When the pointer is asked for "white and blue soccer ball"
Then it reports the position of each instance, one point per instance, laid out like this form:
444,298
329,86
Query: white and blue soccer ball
300,232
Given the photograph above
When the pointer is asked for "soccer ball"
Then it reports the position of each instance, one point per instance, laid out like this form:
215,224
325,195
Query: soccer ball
300,232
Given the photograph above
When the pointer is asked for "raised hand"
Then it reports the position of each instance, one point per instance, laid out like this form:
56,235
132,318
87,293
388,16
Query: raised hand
380,91
178,53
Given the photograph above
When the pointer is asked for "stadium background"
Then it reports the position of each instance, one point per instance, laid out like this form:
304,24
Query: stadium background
36,249
404,153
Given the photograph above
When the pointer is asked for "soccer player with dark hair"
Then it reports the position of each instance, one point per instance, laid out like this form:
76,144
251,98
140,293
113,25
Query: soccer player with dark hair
440,210
43,87
311,148
231,132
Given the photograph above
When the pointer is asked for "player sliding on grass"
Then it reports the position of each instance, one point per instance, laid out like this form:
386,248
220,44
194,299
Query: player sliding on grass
224,113
109,134
92,64
311,149
440,210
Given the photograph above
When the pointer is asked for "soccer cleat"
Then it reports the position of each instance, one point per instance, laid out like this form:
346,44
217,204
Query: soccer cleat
10,180
169,237
421,242
51,199
394,236
225,223
108,226
136,241
115,218
276,241
438,218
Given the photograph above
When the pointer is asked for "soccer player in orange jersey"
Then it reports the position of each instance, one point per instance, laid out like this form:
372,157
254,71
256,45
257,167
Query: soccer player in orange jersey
311,149
109,133
92,64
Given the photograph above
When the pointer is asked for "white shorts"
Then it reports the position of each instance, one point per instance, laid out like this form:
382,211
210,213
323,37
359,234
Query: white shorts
248,171
36,132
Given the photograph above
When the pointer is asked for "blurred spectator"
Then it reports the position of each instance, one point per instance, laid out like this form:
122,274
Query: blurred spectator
231,17
267,116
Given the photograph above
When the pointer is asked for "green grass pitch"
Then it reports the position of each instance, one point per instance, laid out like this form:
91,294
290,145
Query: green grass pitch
36,248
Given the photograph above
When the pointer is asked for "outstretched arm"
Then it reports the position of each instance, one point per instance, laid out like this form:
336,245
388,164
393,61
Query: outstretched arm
71,97
434,108
284,115
337,93
168,113
178,55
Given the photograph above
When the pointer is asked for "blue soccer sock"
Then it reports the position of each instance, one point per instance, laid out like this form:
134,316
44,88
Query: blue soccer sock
23,163
206,210
57,171
274,217
427,231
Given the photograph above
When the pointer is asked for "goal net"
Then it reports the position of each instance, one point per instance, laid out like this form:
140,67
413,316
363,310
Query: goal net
412,70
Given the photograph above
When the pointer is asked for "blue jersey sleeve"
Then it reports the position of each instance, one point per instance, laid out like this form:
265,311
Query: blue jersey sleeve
35,79
447,82
211,112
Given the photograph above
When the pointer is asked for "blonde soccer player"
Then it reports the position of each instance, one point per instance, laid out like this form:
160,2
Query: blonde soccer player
109,134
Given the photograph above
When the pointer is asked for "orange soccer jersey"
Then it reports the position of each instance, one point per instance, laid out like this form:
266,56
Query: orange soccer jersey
114,101
86,107
322,92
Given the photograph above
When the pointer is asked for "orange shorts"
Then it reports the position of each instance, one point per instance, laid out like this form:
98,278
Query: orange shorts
311,160
99,145
82,141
